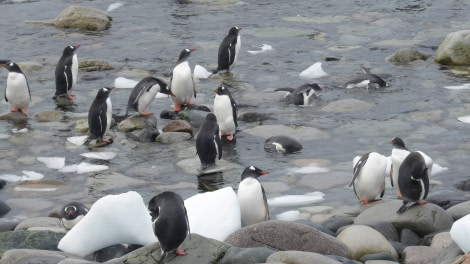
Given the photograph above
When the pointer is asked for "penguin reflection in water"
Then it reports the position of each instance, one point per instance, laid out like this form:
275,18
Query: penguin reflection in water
169,221
99,116
17,91
66,73
369,177
225,109
208,143
252,198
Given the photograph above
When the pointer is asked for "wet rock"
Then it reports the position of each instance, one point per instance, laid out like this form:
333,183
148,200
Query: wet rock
335,223
137,122
49,116
30,66
4,208
346,105
193,117
15,117
147,134
35,256
113,252
173,137
459,210
8,224
94,65
409,237
362,240
45,240
178,126
2,183
455,49
407,56
41,223
82,126
166,114
235,255
463,185
446,199
299,257
282,235
80,18
251,117
113,181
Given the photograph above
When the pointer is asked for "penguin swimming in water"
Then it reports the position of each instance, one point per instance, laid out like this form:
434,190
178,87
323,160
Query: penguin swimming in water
181,81
72,213
228,50
282,144
17,92
413,180
169,221
66,73
366,80
225,109
252,198
369,177
302,94
143,94
208,143
99,116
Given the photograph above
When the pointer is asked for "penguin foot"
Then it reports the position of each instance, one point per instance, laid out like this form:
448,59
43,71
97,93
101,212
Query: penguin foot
71,97
145,113
422,202
180,252
15,109
399,195
177,108
369,201
229,137
24,111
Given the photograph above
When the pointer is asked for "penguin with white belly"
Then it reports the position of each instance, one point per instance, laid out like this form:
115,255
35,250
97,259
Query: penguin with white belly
72,213
208,143
143,94
99,116
181,81
169,221
302,95
369,177
66,73
225,109
228,50
251,197
17,91
366,80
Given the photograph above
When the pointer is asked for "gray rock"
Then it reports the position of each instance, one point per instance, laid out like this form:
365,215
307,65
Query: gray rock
380,262
251,117
409,237
15,117
8,224
34,256
419,254
172,137
49,116
235,255
282,235
459,210
94,65
82,126
455,49
45,240
178,126
298,257
407,56
137,122
421,219
41,223
199,249
30,66
193,117
442,240
387,229
346,105
83,18
335,223
363,240
378,256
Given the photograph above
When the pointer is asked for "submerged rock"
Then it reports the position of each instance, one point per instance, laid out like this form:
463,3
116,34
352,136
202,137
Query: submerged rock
49,116
94,65
455,49
407,56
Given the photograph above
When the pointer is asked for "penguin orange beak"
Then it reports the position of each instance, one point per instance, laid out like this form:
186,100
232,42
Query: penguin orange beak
215,91
264,172
77,46
193,50
173,95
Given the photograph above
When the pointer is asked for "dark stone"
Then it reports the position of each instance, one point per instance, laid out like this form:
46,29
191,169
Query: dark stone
335,223
45,240
317,226
399,247
463,185
409,237
4,208
378,256
343,259
2,183
114,251
235,255
251,117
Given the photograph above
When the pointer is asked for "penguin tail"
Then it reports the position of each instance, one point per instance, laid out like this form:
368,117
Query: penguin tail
404,207
162,257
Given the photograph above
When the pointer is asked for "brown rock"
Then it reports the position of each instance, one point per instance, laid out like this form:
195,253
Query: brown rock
178,126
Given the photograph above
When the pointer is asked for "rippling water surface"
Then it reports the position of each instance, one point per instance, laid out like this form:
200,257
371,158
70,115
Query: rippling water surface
146,38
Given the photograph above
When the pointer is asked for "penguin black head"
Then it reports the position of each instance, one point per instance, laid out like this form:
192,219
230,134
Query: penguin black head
234,31
398,142
71,210
164,88
103,93
252,171
70,50
10,66
184,54
222,90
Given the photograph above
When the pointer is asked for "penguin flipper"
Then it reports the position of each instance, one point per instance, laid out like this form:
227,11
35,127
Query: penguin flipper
358,166
391,175
194,87
285,89
235,110
265,200
406,205
218,143
425,179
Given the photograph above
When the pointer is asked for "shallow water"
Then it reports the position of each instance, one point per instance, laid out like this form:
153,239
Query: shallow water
146,38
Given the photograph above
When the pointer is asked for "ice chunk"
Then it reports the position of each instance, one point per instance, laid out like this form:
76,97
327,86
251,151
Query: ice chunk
458,87
296,200
68,168
114,6
77,140
85,167
460,233
464,119
105,155
313,72
201,72
121,82
53,162
264,47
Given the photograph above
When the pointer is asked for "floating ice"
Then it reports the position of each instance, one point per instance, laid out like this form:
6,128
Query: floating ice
68,168
296,200
458,87
53,162
436,169
121,82
214,214
313,72
32,175
11,177
85,167
465,119
460,233
201,72
114,6
309,169
30,189
77,140
264,48
105,155
293,215
113,219
19,131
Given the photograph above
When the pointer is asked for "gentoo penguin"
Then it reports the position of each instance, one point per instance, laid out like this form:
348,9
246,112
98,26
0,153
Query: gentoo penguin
181,81
169,221
143,94
366,80
225,109
208,143
413,181
369,177
228,50
66,72
72,213
17,92
282,144
399,153
252,198
99,116
302,94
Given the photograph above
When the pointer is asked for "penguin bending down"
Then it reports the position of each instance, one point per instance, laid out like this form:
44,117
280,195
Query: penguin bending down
208,143
366,80
181,81
169,221
72,213
66,73
225,109
302,94
228,50
369,177
17,92
99,116
143,94
413,181
252,198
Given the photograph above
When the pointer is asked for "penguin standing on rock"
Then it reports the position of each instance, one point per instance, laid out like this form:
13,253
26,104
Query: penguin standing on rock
99,116
170,222
369,177
72,213
413,181
399,153
181,81
252,198
225,109
208,143
66,73
302,94
228,50
143,94
17,92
